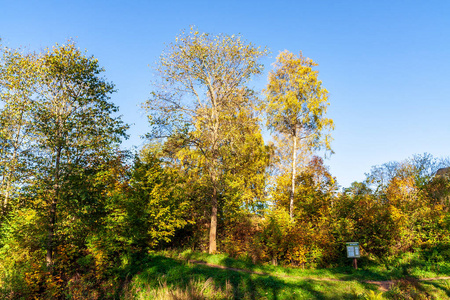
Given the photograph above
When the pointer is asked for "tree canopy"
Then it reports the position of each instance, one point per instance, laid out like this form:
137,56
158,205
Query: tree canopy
296,104
204,104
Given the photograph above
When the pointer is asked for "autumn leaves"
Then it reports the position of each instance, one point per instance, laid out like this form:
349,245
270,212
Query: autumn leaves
204,101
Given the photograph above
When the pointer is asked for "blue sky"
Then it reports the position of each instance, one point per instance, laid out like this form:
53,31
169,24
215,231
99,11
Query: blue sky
386,64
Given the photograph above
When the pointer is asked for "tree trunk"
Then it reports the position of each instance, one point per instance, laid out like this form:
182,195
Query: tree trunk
274,261
294,162
52,212
51,233
213,228
214,178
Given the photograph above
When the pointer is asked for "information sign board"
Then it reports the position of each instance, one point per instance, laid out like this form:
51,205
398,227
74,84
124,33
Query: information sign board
352,250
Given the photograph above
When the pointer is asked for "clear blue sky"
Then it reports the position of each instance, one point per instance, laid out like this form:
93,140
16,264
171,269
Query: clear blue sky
386,64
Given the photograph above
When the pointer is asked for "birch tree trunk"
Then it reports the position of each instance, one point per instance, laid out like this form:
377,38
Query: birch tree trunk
293,172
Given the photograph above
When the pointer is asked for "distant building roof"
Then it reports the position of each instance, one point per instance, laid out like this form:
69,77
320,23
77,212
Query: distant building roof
443,172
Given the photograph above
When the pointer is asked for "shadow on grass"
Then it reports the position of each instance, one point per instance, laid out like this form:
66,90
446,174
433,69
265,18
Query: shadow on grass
414,268
343,273
179,274
347,273
442,285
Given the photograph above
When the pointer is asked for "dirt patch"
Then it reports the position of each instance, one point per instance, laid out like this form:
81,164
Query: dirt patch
383,286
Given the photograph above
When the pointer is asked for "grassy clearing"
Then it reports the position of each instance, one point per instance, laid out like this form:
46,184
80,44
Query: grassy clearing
409,265
343,273
168,278
171,275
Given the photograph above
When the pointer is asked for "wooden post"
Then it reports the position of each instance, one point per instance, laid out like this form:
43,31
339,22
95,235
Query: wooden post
355,263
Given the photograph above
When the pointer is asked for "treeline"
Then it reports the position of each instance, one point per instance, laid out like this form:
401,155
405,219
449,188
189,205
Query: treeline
78,213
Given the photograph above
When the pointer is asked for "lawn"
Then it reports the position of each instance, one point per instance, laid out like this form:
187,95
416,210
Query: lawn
193,275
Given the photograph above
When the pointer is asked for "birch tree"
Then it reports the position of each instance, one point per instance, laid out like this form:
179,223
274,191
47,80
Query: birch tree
296,104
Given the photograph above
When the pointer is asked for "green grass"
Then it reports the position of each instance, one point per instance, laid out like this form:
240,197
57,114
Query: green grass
410,265
160,271
173,275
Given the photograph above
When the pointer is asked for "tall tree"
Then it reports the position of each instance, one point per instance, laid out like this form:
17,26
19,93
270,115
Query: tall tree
204,86
73,123
296,104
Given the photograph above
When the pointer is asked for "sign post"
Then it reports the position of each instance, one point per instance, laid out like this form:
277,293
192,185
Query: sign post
353,252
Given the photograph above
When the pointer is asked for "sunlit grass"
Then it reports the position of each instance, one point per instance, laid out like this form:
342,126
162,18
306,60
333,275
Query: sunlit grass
407,265
196,289
168,277
184,275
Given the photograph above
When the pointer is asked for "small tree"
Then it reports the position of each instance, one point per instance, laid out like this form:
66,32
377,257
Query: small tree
296,104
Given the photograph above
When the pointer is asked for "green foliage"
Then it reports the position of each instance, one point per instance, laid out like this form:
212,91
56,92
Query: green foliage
79,217
274,232
75,199
158,201
22,247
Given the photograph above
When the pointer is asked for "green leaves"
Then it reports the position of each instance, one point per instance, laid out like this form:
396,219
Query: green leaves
57,124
